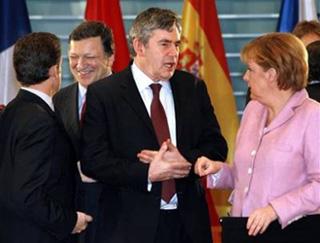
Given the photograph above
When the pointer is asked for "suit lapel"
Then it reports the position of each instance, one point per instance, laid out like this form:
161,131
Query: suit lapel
178,98
133,98
68,109
72,113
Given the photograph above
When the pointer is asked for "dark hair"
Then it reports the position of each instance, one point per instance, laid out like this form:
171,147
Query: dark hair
148,21
314,60
89,29
33,56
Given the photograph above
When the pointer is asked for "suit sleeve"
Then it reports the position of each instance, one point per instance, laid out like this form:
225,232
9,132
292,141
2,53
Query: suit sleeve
99,159
210,143
33,162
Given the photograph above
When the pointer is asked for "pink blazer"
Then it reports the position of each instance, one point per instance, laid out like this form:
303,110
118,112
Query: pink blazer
278,164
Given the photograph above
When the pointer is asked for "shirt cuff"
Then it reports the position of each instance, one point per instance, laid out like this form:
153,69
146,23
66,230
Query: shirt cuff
212,180
149,186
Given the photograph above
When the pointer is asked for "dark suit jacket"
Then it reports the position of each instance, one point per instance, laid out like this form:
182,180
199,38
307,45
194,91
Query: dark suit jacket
91,198
304,230
36,174
117,127
314,91
66,104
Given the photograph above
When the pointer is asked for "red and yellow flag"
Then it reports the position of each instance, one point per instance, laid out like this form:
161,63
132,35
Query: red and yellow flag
202,53
109,12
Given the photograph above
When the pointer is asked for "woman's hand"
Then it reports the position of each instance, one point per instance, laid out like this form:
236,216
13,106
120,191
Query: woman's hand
205,166
260,219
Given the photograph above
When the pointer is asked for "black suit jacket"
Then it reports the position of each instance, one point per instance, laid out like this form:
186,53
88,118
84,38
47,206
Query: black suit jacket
36,174
66,104
314,91
304,230
117,127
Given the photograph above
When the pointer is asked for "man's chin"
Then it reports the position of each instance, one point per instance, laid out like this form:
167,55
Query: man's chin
168,75
85,82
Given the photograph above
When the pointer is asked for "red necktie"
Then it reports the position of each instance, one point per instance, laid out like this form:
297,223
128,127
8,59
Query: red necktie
160,125
83,111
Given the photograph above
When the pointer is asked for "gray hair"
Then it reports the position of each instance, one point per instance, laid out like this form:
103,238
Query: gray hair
148,21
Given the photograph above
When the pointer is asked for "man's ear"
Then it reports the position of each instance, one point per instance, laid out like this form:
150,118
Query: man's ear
110,61
138,46
54,79
54,71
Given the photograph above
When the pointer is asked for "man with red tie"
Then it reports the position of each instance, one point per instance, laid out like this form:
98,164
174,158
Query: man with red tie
144,128
91,55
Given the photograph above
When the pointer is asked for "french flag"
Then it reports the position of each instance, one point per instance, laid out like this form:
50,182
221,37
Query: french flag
14,23
293,11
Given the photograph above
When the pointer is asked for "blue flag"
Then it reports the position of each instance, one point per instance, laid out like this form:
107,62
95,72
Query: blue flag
293,11
14,23
289,15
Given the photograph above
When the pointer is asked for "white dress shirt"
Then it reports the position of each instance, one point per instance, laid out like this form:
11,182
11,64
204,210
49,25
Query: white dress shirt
81,97
143,83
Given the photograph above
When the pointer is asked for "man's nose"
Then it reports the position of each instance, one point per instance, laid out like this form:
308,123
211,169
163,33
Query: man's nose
81,62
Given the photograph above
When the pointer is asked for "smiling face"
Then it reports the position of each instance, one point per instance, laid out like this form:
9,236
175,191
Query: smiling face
88,61
158,58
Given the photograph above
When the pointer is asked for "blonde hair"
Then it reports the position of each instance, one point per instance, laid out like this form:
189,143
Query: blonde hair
285,53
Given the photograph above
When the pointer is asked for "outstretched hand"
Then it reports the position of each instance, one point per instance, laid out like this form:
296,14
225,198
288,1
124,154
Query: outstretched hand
205,166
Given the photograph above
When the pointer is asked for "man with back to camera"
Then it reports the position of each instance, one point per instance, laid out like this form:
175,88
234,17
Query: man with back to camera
130,115
37,167
91,55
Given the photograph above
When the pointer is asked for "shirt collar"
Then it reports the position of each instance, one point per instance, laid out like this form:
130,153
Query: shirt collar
82,90
143,81
46,98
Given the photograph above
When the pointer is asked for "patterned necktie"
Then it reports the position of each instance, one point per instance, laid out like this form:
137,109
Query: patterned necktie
160,125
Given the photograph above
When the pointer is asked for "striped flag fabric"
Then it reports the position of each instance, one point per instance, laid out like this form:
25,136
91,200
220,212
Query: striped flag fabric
109,12
202,53
293,11
307,10
14,23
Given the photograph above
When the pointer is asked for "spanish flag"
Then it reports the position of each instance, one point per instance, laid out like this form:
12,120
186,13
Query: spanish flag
202,53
